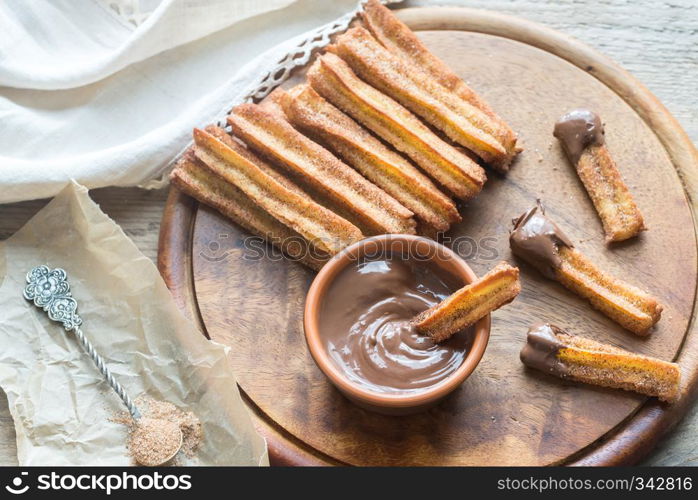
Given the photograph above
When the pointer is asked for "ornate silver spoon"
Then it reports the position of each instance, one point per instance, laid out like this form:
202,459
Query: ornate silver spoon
49,290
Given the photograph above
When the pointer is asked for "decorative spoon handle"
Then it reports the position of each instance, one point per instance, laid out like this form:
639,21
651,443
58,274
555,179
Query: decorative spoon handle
49,289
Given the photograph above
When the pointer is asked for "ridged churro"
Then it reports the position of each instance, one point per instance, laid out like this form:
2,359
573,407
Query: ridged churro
539,241
323,228
582,136
194,179
472,302
335,81
240,149
368,206
553,351
312,114
395,36
420,93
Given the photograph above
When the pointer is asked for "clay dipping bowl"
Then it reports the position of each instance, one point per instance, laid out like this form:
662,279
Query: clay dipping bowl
391,244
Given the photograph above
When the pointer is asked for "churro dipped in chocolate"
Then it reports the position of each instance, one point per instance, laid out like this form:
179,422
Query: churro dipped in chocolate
395,36
313,115
420,93
471,303
193,178
551,350
540,242
335,81
581,134
363,203
323,228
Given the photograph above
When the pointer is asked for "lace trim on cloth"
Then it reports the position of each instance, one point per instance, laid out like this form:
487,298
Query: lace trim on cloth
296,57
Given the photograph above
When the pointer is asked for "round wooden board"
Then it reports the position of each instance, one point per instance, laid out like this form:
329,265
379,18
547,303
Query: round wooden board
503,414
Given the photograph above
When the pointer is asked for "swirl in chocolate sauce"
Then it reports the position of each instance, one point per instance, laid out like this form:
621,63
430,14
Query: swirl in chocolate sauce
577,130
536,239
365,325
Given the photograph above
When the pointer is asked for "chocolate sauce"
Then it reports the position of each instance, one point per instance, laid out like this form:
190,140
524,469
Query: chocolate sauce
541,349
536,239
577,130
365,325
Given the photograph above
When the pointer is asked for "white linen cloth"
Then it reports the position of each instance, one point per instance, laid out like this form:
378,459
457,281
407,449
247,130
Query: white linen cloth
88,94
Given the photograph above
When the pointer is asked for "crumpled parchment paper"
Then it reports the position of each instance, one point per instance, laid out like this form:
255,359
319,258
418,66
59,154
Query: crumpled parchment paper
60,405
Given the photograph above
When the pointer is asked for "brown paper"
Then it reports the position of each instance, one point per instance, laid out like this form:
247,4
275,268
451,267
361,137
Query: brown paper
60,404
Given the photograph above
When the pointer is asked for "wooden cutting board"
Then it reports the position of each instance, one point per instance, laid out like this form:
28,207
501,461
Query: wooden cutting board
503,414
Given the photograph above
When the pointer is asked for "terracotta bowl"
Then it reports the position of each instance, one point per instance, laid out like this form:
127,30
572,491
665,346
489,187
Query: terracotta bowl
393,404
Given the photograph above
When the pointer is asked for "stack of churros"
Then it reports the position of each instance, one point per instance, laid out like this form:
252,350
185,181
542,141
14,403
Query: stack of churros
308,111
365,204
222,173
395,36
333,79
372,144
196,180
459,120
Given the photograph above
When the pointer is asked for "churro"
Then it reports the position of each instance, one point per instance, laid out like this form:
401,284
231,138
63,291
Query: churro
194,179
313,115
322,227
335,81
551,350
582,136
365,204
537,240
395,36
240,149
472,302
420,93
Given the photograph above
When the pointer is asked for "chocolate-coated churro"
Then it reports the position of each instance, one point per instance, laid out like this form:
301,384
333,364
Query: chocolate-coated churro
582,136
553,351
538,240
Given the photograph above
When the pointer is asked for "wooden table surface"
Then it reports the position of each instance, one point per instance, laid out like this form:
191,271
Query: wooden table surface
655,40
